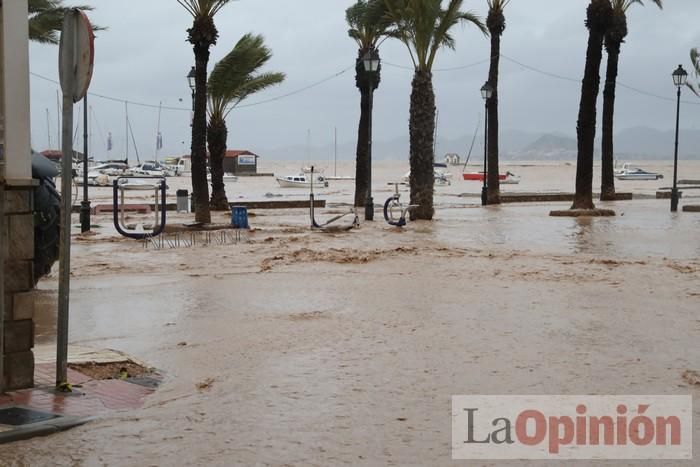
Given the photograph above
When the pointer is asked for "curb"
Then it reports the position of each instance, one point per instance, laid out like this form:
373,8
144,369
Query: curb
46,428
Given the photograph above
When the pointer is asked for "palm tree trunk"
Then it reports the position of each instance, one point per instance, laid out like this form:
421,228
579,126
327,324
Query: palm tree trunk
422,128
607,189
362,156
200,189
493,194
216,139
583,198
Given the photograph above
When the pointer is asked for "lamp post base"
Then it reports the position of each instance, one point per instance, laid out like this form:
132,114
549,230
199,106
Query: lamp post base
369,209
85,216
674,199
484,196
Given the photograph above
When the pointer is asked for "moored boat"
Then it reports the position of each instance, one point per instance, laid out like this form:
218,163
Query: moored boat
302,180
508,178
635,173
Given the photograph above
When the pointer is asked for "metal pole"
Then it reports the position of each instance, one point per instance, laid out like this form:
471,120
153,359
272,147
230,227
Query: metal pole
369,202
64,250
335,152
192,113
484,189
64,247
674,190
85,205
2,286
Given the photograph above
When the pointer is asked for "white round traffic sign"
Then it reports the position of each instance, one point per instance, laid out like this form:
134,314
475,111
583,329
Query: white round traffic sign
76,54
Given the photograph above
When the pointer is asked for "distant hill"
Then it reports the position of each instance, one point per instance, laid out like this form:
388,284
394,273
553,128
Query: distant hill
639,143
648,143
549,147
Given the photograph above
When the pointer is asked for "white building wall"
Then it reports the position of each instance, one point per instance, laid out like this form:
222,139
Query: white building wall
14,90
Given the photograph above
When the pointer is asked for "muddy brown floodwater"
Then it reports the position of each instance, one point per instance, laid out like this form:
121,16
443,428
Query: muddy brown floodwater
299,348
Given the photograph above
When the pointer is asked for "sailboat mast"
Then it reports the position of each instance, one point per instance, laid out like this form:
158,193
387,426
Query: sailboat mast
126,129
48,127
308,145
58,120
160,108
335,153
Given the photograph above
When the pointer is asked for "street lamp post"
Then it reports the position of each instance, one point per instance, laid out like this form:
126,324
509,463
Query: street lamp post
193,85
486,93
85,204
191,82
680,76
371,62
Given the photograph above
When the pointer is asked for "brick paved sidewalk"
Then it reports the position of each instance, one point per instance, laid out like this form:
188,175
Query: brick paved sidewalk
51,411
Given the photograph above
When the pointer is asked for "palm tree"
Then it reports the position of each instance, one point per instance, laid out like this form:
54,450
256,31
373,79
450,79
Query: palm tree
424,27
202,35
233,79
46,19
496,24
695,60
368,27
614,38
598,16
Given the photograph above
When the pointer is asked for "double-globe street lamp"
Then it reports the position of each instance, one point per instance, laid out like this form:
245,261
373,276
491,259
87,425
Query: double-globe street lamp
486,93
371,63
680,77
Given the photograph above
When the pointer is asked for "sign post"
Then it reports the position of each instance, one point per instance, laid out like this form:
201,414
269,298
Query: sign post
76,58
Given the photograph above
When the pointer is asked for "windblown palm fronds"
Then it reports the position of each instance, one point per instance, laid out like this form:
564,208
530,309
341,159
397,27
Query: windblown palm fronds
695,60
234,79
46,19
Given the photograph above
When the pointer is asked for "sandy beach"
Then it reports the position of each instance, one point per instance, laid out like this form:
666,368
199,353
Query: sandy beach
344,349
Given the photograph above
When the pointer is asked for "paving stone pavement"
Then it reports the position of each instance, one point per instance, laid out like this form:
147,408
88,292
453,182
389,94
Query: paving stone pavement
89,398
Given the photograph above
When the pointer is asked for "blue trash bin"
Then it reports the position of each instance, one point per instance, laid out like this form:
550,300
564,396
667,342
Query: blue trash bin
239,217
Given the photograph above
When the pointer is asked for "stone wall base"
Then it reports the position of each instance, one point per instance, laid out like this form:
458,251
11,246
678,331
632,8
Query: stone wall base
18,251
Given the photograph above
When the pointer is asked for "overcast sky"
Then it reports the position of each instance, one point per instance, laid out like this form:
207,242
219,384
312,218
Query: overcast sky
144,57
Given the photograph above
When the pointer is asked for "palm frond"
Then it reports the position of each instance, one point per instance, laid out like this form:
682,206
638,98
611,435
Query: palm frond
621,6
368,23
203,8
46,19
499,6
695,60
424,26
237,76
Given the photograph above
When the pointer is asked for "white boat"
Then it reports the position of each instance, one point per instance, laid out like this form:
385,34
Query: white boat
228,177
102,174
153,169
511,179
302,180
629,172
442,178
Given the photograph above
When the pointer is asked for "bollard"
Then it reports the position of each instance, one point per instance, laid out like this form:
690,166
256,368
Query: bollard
182,200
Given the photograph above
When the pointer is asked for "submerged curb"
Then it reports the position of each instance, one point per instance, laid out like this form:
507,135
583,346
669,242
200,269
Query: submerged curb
46,428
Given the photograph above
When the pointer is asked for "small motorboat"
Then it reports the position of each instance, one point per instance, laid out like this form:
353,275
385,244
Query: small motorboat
442,178
228,177
302,180
102,174
635,173
152,169
509,178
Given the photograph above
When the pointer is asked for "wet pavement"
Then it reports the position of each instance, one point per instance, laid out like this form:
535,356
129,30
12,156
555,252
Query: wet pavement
302,348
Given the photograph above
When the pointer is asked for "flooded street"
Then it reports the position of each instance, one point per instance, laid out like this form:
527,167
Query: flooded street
303,348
